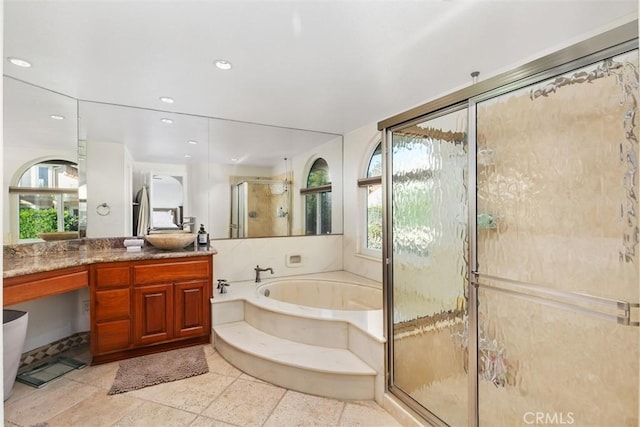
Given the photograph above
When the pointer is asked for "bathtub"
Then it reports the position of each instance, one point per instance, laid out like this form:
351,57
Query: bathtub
326,294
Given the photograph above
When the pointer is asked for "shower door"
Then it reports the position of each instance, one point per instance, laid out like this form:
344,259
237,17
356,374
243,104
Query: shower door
557,249
429,265
239,214
528,314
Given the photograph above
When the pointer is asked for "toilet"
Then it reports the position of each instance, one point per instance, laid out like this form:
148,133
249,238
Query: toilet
14,328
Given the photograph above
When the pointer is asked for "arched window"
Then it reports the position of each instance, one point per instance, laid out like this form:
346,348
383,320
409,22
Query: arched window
47,199
318,199
372,182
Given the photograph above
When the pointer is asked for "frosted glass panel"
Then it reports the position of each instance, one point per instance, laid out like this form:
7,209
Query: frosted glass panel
557,207
429,232
564,368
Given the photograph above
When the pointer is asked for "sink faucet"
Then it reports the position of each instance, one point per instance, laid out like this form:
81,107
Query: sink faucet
258,270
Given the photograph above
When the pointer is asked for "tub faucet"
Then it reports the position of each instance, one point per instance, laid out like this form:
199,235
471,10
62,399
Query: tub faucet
258,270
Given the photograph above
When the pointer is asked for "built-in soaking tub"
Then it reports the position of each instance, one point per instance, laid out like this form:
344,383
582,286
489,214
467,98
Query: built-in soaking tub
323,335
326,294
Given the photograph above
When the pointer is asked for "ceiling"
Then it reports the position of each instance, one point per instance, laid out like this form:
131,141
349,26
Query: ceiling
330,66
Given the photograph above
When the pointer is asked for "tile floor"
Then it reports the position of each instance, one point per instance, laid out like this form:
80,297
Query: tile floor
224,396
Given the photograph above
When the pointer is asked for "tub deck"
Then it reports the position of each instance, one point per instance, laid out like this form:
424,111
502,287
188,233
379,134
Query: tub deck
369,321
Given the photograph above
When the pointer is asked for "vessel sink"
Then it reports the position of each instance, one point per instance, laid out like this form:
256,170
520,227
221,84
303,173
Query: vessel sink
58,235
171,241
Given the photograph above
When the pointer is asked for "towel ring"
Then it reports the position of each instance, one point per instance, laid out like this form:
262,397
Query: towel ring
103,209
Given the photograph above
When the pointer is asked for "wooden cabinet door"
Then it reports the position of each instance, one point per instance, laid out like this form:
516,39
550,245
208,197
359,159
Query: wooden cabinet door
153,313
111,336
191,302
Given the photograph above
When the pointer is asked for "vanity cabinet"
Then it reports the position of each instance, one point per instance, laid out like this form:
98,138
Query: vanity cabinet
145,306
38,285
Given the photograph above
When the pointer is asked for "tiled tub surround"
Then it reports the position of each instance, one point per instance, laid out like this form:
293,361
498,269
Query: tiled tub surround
332,353
328,294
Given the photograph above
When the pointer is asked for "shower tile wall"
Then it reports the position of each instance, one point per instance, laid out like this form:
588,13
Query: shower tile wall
263,205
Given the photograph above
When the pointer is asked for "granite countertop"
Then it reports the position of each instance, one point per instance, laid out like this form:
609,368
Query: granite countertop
19,260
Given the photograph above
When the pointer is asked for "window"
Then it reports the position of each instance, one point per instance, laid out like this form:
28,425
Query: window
372,183
47,199
318,199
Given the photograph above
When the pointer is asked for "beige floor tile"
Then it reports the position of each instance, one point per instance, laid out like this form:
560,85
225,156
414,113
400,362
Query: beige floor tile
202,421
299,409
46,403
223,397
100,376
209,350
250,378
366,413
220,366
192,394
19,391
153,415
97,410
245,403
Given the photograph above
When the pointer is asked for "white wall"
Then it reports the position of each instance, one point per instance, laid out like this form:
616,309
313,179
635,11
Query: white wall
358,146
55,317
237,258
109,169
3,202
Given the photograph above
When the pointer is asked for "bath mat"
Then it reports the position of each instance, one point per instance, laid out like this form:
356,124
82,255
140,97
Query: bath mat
152,369
42,374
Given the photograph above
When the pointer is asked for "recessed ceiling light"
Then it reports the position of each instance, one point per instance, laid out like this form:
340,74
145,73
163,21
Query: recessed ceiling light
56,117
167,121
188,156
167,100
20,62
192,142
233,159
223,64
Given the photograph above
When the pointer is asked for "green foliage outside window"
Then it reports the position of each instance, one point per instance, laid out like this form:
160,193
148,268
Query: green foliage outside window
34,221
374,227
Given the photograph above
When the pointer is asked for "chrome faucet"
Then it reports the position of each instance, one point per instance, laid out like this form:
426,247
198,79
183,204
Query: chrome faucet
258,270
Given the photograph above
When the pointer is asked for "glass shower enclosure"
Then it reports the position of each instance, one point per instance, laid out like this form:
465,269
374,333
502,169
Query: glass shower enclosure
260,208
512,279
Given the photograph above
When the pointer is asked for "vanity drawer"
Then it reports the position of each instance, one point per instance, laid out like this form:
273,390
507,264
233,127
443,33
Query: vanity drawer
112,276
38,285
112,304
171,271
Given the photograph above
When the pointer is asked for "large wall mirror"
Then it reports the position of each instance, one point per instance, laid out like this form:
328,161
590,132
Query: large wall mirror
241,180
40,156
238,179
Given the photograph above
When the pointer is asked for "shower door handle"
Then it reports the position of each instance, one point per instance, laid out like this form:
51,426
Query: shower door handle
619,311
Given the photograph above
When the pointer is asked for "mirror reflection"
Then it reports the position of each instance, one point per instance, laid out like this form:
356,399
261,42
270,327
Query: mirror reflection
39,163
156,164
239,180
